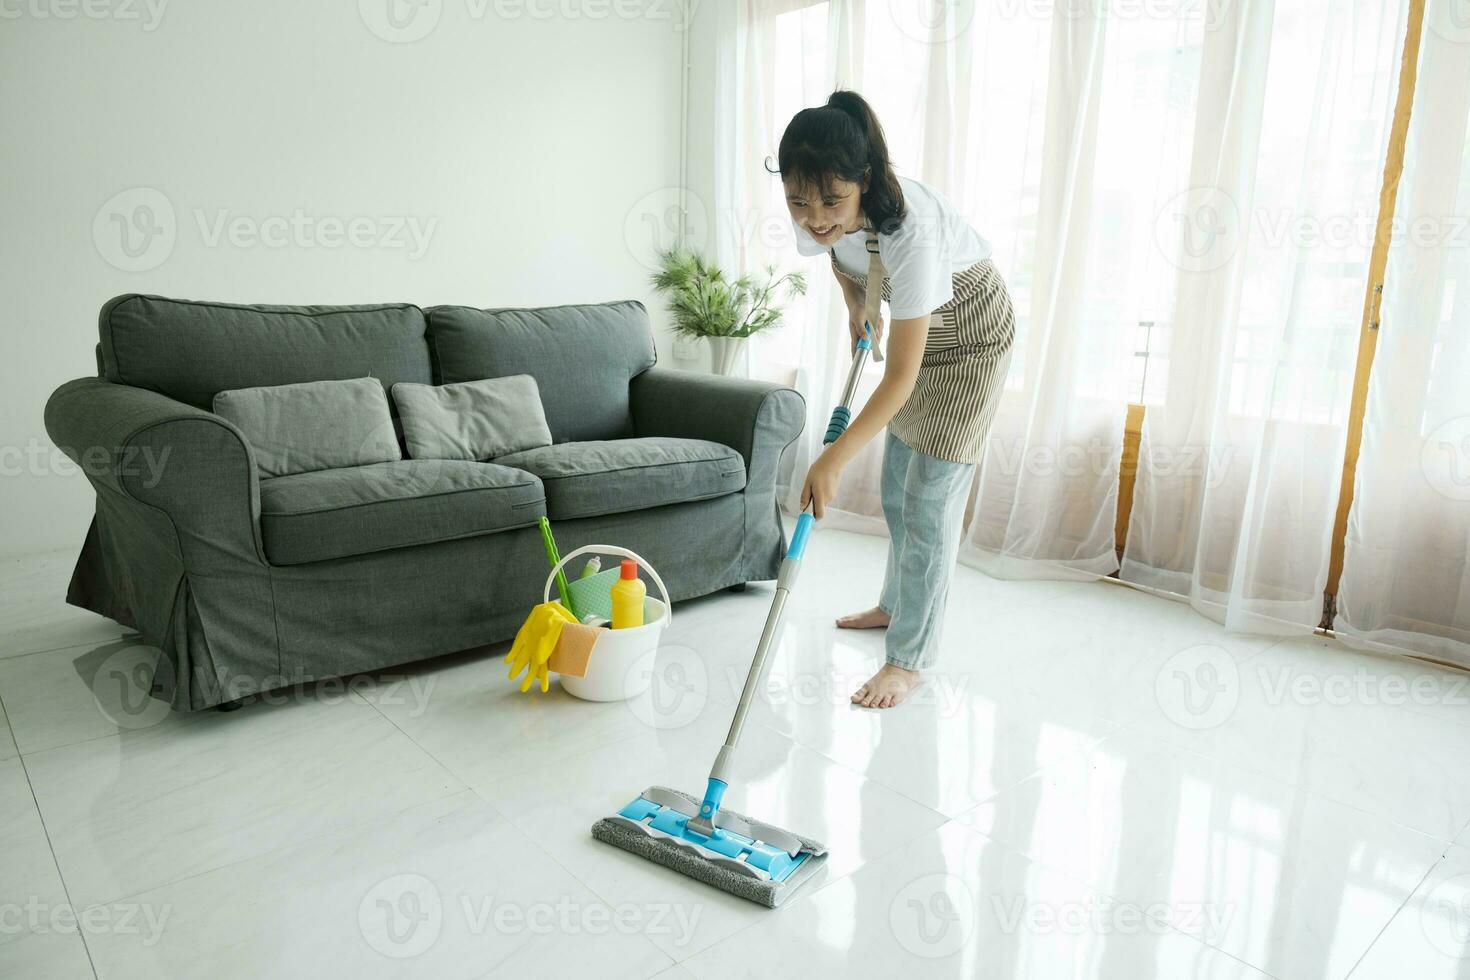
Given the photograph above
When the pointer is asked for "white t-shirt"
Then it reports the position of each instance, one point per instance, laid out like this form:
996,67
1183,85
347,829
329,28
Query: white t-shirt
933,243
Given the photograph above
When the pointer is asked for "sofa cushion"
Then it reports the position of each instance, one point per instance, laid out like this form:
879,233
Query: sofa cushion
313,425
582,358
191,350
585,479
476,420
335,513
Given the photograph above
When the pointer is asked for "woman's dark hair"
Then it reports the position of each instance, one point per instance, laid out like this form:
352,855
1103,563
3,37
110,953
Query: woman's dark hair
843,139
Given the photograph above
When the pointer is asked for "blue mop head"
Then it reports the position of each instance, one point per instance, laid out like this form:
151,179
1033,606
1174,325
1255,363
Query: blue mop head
743,866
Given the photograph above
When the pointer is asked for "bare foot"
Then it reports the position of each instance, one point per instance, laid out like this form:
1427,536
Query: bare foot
868,619
888,688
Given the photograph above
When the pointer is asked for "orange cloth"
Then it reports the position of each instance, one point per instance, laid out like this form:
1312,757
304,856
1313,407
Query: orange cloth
574,649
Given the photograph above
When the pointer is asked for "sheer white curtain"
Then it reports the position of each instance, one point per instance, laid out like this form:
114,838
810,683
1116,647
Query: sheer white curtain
1241,459
1152,178
774,57
1048,485
1405,582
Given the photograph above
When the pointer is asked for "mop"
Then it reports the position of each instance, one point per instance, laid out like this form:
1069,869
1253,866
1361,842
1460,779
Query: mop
699,838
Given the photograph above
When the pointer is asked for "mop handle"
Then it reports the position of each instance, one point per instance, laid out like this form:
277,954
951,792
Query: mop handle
842,414
784,582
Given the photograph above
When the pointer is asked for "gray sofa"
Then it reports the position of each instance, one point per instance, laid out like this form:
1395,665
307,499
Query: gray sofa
250,584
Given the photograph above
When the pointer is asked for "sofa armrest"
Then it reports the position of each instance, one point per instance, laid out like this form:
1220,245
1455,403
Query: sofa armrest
757,419
139,445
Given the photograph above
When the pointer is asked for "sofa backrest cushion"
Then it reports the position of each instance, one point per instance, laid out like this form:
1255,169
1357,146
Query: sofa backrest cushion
582,358
191,351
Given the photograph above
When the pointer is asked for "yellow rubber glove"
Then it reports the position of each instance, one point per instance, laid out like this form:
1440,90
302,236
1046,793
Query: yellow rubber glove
532,647
534,643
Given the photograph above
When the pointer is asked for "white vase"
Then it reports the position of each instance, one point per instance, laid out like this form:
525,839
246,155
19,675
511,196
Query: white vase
724,352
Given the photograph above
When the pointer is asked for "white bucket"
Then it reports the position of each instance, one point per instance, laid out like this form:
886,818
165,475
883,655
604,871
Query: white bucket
621,663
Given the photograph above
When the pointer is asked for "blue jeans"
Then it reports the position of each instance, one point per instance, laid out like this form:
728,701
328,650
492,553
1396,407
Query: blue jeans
923,503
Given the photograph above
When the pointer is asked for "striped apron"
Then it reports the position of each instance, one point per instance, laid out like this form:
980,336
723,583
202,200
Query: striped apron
966,356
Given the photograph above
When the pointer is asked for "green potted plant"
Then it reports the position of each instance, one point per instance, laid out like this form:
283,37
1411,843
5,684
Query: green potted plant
705,304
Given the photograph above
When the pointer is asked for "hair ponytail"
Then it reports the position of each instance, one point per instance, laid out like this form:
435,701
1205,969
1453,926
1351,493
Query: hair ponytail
844,139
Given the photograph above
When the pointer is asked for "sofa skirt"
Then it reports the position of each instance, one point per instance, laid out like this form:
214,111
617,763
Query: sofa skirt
225,637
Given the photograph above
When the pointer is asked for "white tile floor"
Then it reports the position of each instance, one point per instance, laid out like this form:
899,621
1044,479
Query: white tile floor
1096,783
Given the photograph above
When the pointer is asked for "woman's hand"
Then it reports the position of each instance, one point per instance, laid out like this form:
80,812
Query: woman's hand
855,318
821,482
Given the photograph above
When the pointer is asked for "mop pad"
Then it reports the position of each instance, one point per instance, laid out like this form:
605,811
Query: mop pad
725,874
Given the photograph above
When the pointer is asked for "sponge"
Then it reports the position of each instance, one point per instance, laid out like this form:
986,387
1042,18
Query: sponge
574,649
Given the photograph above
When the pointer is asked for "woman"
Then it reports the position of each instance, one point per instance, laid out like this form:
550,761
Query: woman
948,349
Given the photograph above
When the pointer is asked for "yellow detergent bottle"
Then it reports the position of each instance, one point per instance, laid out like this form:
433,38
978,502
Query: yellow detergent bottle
627,597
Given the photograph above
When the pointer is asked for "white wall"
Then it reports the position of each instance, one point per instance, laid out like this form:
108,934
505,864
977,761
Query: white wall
537,154
700,134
